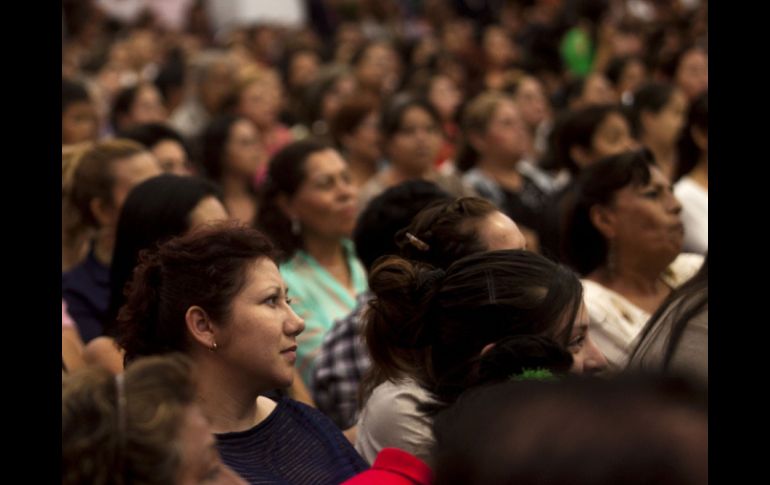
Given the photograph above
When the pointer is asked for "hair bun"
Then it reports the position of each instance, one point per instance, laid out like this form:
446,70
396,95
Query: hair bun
513,355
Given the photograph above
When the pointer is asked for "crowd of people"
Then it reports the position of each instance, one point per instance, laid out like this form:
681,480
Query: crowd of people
356,241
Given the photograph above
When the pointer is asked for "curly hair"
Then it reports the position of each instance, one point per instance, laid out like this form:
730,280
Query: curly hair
206,267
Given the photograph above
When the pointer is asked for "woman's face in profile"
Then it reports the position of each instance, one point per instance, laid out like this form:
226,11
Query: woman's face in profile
644,219
586,357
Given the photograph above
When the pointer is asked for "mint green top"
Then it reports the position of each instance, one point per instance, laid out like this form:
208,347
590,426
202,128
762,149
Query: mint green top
320,300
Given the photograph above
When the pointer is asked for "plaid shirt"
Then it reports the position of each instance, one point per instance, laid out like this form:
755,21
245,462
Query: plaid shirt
339,367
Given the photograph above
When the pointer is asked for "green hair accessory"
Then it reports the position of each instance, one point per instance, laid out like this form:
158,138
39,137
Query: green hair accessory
538,374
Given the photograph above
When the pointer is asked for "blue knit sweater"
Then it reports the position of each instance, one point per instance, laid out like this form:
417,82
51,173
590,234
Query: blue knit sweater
296,444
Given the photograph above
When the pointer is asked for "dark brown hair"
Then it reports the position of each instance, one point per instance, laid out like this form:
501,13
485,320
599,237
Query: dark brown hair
206,267
432,325
448,227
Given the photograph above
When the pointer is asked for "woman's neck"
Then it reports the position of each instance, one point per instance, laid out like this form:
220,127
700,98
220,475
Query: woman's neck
330,254
325,251
235,185
398,175
505,175
227,404
665,157
104,244
638,281
700,174
361,170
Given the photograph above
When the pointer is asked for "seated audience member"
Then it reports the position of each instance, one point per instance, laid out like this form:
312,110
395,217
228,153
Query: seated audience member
343,358
143,427
216,295
433,333
104,176
308,210
155,211
623,234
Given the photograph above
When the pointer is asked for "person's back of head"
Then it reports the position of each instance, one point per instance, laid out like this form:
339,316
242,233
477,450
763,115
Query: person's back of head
488,315
155,210
388,213
445,231
125,428
576,432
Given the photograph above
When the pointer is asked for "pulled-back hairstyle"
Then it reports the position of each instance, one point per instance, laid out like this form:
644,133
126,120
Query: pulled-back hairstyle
475,120
388,213
154,211
206,267
157,393
448,228
285,174
93,177
583,246
433,325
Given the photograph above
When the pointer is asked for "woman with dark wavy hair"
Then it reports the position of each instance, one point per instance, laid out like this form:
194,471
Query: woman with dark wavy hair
622,232
216,295
432,334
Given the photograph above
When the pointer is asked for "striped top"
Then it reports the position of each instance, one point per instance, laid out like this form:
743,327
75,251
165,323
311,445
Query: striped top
296,444
320,300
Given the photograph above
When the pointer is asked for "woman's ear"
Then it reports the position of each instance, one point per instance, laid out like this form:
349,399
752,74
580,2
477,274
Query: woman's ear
200,326
487,348
603,218
284,205
581,156
103,211
645,119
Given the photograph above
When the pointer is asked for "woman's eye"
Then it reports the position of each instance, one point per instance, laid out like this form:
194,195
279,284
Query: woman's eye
577,343
289,301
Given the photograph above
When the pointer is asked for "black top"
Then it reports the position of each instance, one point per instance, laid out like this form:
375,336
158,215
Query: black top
296,444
